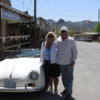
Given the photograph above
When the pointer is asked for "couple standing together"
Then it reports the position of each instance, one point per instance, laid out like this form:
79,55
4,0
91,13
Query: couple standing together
58,56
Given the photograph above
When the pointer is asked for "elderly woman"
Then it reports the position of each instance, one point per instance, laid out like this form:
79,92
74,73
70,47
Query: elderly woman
48,59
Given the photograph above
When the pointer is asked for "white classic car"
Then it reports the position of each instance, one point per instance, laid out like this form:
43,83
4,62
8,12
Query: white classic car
22,73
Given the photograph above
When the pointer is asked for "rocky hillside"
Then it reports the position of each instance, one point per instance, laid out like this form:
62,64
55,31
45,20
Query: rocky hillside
77,27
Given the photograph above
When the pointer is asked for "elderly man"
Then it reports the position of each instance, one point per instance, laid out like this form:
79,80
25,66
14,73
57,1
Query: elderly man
67,54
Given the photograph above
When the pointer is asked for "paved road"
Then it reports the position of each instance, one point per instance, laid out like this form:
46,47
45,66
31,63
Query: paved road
86,77
87,72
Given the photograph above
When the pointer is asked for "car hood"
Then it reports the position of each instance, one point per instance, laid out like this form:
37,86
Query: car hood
17,67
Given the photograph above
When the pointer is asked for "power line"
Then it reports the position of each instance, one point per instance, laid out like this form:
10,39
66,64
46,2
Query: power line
67,15
58,14
49,7
23,5
17,6
29,5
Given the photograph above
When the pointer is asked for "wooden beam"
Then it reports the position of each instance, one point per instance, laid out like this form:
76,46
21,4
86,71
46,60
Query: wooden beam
14,46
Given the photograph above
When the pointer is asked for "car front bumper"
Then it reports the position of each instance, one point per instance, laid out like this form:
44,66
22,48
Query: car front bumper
22,89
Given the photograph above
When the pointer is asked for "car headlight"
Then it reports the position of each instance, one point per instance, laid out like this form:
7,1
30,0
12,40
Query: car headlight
34,75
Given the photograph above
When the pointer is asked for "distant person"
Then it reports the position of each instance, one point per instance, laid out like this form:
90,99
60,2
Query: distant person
67,54
48,58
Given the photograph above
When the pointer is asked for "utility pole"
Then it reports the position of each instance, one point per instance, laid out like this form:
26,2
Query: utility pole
99,25
23,6
35,40
83,26
98,20
57,29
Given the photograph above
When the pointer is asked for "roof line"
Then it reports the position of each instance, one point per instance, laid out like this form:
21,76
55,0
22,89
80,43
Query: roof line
13,9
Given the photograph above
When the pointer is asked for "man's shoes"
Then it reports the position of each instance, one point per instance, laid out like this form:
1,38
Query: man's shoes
68,97
55,92
63,92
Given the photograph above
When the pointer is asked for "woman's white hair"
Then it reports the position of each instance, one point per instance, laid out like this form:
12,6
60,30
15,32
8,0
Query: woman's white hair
55,36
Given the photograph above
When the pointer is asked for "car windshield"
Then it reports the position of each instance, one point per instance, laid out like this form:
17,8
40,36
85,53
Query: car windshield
27,53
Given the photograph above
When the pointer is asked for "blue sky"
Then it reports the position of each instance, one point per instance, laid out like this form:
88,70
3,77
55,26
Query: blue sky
69,10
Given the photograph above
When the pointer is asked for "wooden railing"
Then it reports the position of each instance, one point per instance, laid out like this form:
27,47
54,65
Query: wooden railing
5,48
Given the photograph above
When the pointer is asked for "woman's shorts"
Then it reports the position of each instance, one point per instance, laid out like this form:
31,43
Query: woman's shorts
51,70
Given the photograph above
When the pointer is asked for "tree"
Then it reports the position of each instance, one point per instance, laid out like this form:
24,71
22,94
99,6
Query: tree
70,32
59,33
97,28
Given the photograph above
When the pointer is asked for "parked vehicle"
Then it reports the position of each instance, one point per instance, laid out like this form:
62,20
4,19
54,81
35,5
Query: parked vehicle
82,39
77,38
88,39
22,73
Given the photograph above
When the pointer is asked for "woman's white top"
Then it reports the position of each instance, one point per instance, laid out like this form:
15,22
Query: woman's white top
53,52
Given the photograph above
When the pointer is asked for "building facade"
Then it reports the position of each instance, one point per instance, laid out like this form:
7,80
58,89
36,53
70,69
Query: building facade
17,28
13,33
43,29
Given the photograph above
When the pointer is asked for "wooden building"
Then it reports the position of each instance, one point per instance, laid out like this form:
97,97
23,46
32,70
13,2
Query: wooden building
14,27
95,36
17,28
43,29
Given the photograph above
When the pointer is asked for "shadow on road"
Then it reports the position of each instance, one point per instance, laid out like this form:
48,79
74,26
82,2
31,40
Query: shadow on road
64,96
29,96
73,98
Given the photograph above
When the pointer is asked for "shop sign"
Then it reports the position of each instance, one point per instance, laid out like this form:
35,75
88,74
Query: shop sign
9,15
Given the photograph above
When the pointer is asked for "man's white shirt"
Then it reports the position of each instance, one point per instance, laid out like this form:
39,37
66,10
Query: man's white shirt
67,51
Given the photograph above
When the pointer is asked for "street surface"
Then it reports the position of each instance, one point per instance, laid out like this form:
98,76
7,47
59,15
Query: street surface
86,77
87,72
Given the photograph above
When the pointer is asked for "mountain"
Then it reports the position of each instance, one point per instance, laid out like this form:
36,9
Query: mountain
77,27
